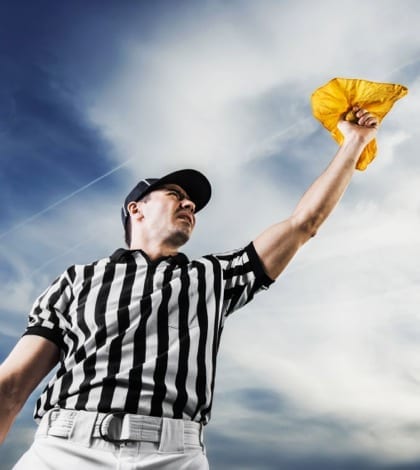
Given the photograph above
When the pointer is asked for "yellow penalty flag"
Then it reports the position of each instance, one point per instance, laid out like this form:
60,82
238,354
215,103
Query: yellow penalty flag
335,100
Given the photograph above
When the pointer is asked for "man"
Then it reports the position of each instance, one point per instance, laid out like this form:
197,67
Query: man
136,334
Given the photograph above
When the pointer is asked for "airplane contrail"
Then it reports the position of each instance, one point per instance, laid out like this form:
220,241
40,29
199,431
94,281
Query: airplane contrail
66,198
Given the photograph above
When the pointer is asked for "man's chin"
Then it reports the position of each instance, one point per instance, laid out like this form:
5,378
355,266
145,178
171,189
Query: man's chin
179,238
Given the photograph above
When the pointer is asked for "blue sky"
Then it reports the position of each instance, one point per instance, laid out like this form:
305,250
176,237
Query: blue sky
322,370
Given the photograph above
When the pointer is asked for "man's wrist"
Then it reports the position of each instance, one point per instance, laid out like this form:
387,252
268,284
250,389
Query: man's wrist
355,143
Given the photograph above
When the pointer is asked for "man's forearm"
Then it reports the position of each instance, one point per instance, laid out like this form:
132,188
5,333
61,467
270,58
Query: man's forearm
323,195
9,406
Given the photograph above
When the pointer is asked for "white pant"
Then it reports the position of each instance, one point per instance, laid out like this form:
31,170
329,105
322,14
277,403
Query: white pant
71,440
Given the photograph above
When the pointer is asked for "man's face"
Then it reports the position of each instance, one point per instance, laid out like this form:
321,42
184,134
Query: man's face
168,215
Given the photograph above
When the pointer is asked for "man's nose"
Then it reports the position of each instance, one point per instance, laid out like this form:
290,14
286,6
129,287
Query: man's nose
188,204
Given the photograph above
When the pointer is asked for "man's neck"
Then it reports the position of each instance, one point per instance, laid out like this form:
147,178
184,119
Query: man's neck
153,252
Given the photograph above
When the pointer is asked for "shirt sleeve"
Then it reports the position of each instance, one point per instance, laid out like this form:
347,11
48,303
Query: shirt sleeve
47,317
243,276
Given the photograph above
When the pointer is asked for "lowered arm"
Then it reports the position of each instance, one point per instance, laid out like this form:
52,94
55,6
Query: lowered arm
28,363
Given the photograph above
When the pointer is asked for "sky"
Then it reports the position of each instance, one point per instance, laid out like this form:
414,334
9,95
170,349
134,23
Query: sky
322,371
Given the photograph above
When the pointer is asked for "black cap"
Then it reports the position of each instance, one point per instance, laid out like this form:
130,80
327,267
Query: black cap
196,185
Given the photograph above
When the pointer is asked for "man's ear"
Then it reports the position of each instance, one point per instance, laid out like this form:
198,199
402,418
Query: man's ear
134,209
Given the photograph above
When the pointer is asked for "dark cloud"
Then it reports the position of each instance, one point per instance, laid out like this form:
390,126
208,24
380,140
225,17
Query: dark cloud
267,417
264,401
226,453
55,57
47,147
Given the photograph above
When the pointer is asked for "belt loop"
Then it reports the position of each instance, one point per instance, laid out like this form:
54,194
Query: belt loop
60,423
172,435
45,423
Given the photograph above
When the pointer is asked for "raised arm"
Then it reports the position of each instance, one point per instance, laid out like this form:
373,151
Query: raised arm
277,245
28,363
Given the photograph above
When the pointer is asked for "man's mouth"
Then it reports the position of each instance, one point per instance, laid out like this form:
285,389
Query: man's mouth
185,216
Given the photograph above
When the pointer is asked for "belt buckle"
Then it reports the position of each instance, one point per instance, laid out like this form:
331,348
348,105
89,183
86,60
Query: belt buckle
113,425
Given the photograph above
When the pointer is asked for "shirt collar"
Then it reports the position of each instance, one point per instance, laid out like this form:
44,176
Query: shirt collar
123,255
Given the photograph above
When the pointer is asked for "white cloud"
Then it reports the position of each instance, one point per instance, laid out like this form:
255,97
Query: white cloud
176,101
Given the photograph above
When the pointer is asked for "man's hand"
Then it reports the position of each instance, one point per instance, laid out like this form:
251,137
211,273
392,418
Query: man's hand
364,129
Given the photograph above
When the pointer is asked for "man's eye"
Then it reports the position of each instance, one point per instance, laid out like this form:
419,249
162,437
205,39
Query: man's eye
176,193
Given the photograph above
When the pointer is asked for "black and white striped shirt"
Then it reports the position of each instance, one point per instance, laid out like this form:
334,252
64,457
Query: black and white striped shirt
141,336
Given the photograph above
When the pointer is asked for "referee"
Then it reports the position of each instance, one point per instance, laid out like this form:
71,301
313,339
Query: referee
135,335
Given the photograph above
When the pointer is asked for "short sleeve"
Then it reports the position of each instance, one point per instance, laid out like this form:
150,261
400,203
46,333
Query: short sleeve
243,276
47,316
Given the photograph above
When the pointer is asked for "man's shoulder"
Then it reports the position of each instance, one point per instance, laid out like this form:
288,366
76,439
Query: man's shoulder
77,267
229,254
